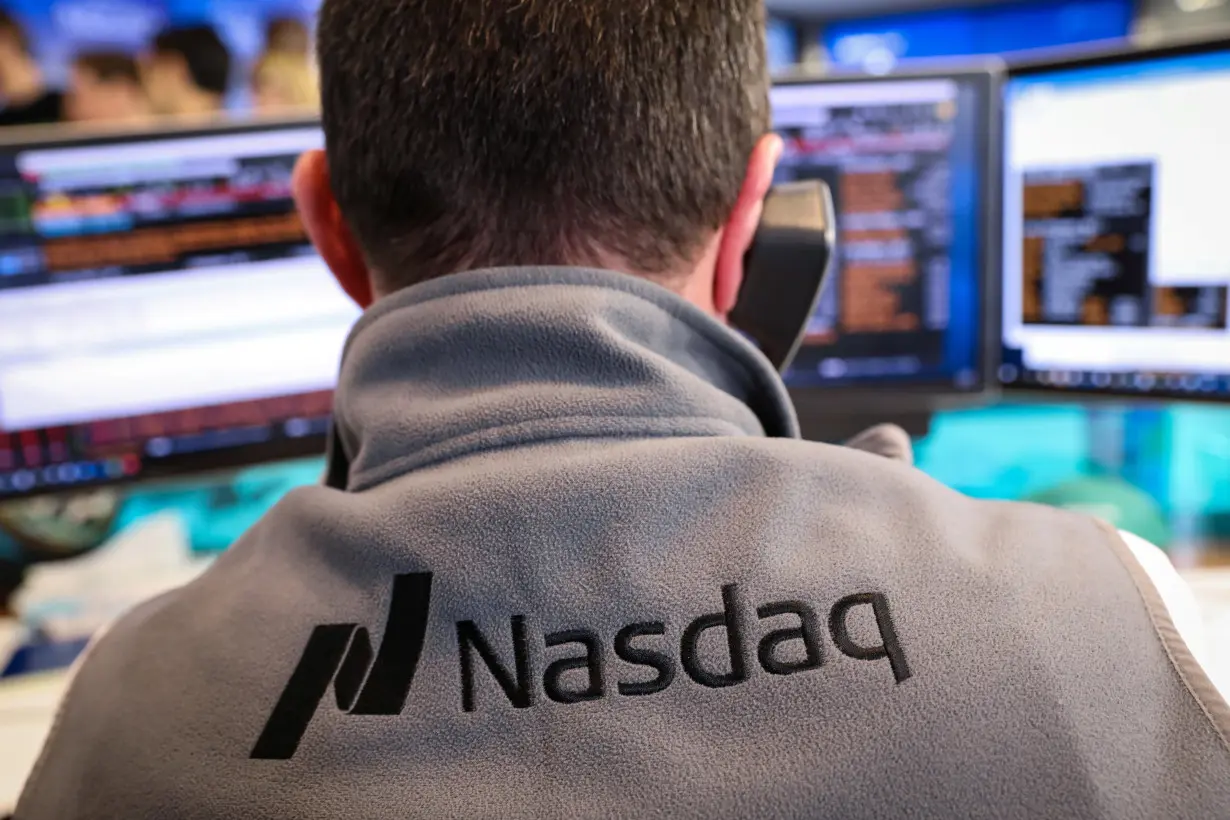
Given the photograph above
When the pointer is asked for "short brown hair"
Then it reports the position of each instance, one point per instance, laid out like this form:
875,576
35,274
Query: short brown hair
476,133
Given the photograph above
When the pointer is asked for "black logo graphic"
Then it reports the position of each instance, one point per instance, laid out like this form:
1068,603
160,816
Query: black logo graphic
341,654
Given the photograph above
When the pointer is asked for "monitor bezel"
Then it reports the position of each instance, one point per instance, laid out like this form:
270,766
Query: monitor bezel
1126,55
878,399
195,465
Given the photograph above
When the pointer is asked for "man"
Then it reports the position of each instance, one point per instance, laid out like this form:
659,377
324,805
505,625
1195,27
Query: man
570,559
26,97
187,72
106,86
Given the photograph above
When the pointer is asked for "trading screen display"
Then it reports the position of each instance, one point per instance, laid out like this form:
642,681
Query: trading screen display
1116,271
160,303
907,161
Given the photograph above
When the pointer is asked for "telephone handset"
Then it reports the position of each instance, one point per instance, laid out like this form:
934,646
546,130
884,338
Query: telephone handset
786,268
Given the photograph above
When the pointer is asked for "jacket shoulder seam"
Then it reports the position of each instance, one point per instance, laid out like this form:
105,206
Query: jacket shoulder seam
1195,679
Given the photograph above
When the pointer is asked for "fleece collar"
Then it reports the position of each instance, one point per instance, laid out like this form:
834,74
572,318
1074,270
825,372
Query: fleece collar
514,356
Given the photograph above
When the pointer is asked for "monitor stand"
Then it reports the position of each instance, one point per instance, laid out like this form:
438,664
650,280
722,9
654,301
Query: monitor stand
839,427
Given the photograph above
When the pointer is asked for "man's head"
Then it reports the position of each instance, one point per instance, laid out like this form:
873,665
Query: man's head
105,86
187,71
627,134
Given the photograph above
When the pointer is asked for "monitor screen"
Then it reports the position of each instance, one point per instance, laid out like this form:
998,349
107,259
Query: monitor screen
909,162
1116,263
161,308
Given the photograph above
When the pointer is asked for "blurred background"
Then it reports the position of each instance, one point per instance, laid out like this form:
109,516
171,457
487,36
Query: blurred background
870,35
259,50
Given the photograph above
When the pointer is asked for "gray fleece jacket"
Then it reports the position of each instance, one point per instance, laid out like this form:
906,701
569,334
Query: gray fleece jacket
572,562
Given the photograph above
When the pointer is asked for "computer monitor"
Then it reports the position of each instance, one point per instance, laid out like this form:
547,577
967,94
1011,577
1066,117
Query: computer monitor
161,308
912,164
1116,251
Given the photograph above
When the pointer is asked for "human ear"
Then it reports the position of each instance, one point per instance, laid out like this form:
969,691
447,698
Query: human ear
740,228
322,218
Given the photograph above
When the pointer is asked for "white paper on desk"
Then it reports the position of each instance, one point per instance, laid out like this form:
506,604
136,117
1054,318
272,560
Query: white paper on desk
74,599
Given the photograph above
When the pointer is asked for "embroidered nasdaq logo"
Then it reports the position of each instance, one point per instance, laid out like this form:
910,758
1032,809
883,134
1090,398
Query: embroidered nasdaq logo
782,638
341,654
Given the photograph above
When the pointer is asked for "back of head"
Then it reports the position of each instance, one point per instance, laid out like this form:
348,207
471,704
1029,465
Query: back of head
204,54
473,133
